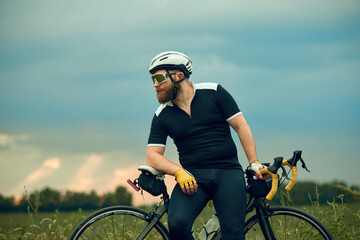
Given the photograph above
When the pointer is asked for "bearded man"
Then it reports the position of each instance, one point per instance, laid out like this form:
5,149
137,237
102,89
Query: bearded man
198,118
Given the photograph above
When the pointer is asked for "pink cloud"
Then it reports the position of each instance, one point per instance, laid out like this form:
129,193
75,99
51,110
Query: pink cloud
84,177
53,163
47,169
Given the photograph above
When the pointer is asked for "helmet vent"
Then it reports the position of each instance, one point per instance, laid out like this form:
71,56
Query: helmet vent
164,58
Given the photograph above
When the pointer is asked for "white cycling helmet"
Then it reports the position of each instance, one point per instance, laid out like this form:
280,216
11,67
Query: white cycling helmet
171,60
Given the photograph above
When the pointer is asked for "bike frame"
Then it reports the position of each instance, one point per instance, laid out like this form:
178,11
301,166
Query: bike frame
264,223
155,219
260,207
154,216
252,203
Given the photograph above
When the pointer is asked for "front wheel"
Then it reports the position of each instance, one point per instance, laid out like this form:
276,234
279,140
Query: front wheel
287,223
118,222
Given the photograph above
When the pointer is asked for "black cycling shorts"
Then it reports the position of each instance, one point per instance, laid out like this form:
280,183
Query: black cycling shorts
226,187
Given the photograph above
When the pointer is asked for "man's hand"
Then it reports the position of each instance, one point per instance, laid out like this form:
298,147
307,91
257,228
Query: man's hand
186,181
256,166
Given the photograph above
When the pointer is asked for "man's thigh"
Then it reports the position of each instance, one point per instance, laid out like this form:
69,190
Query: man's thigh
184,208
230,201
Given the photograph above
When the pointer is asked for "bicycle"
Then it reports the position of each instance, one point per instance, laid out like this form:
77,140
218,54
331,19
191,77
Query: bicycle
126,222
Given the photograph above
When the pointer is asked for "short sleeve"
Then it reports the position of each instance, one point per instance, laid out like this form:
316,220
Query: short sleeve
227,104
158,134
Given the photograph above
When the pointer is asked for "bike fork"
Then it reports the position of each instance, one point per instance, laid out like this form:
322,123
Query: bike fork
264,223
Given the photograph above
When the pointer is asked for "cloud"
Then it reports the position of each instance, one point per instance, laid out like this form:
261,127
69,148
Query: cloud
53,163
85,177
48,168
7,140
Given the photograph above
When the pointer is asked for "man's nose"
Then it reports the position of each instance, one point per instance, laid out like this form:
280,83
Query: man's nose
156,84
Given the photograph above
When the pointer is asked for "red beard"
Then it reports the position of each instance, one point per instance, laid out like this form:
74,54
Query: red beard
164,95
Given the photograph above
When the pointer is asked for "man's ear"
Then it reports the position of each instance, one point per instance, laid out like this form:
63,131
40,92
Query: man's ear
180,75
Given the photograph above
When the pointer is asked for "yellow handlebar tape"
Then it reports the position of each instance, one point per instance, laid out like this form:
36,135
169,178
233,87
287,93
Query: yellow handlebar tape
274,186
293,177
275,179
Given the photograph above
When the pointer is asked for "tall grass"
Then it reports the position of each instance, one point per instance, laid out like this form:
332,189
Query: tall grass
342,222
41,228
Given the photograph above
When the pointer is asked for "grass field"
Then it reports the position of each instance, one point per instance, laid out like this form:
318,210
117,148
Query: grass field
342,220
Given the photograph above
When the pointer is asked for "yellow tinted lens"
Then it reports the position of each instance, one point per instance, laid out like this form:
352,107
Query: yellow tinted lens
159,78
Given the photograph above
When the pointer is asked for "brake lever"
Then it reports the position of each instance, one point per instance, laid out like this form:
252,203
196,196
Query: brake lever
303,165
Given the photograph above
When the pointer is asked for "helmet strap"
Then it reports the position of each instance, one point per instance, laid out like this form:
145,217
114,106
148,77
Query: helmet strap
174,83
174,92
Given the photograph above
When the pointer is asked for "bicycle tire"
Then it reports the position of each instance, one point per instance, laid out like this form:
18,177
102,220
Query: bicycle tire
118,222
288,223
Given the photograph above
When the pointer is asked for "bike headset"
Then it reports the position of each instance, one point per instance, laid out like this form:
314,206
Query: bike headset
171,60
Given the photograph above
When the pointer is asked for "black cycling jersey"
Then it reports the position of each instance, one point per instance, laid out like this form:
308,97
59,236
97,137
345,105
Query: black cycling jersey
203,139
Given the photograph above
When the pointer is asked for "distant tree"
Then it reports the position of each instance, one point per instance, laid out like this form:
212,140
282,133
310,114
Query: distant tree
49,199
108,199
302,192
76,200
45,200
120,197
29,201
93,200
7,204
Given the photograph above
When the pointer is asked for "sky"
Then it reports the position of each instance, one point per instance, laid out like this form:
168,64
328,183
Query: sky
76,99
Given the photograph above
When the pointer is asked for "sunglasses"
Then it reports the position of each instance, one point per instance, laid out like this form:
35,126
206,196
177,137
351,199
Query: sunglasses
160,77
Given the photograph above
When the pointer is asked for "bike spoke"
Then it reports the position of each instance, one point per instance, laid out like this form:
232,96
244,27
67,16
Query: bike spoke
309,233
133,232
288,223
113,225
103,227
123,226
285,226
92,229
297,226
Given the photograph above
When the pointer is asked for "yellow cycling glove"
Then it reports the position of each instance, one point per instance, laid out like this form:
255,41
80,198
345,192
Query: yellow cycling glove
184,178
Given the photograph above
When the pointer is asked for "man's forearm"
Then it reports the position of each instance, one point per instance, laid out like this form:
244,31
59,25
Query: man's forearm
161,163
248,143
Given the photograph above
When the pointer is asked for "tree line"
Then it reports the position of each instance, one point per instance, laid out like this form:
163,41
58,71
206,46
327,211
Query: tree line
308,192
49,199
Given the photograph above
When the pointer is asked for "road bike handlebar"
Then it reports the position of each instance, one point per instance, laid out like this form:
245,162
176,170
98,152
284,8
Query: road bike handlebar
292,164
272,171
